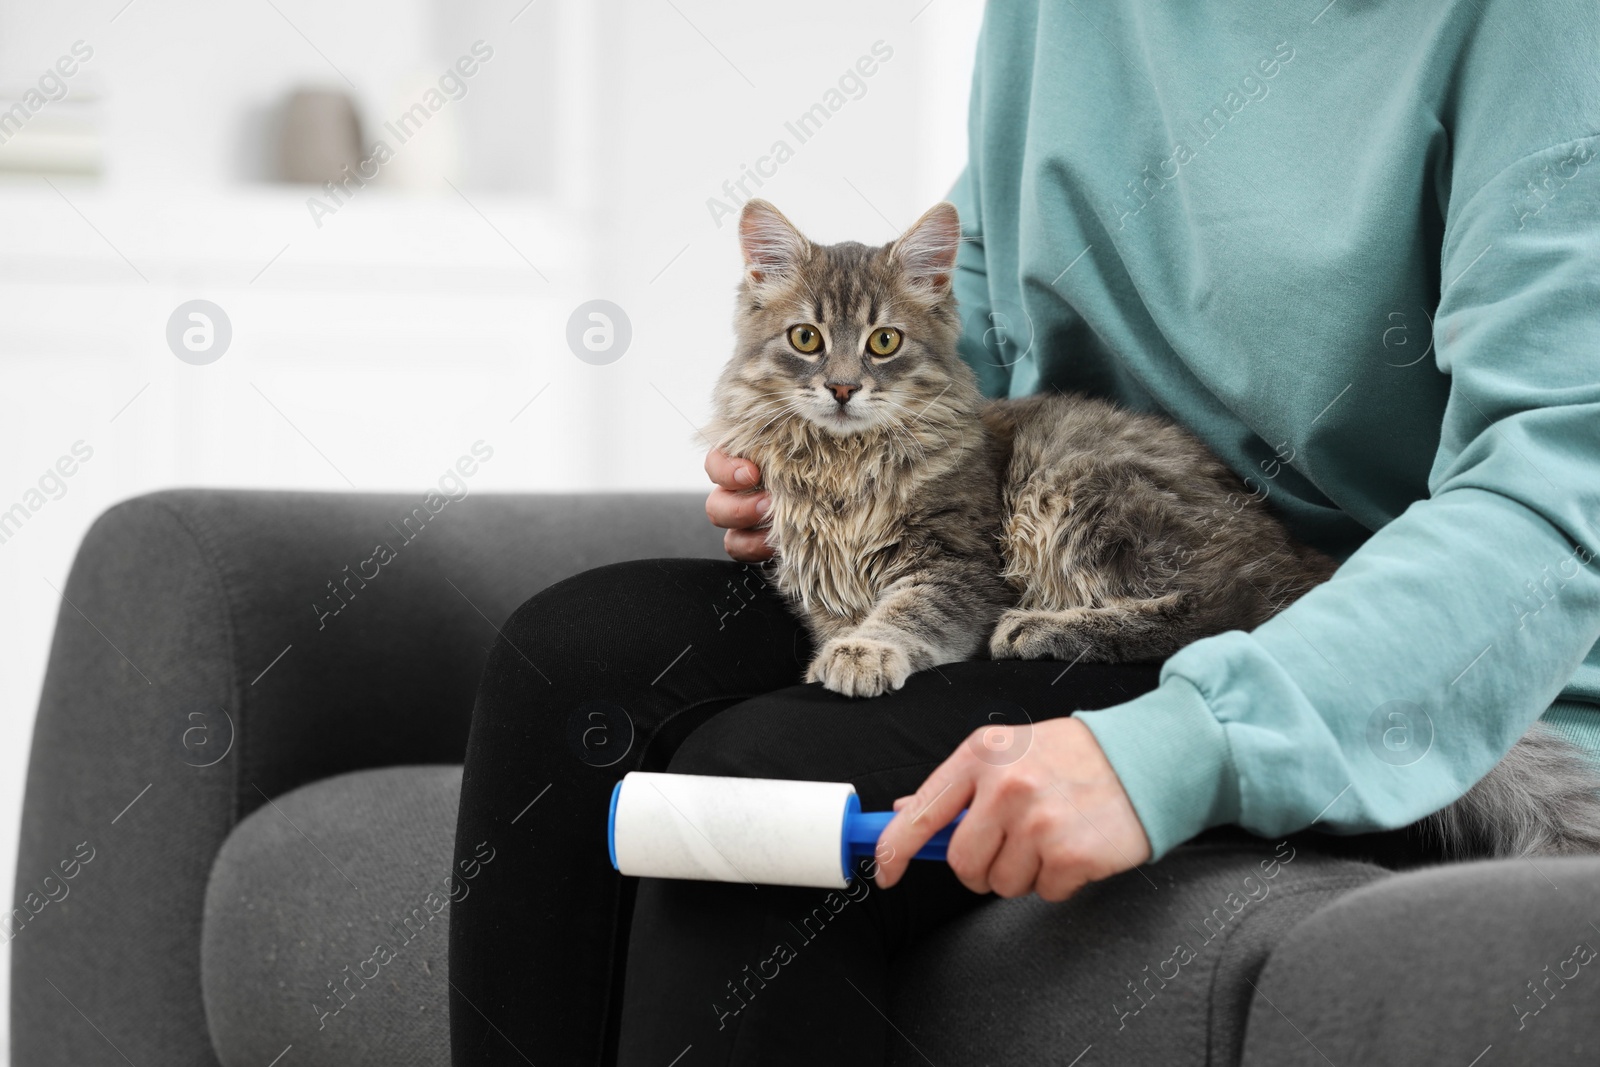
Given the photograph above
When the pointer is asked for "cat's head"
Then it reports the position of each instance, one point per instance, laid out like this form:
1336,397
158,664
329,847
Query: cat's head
853,339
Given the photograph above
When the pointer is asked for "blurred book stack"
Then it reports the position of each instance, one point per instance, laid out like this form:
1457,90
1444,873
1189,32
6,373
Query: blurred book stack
61,138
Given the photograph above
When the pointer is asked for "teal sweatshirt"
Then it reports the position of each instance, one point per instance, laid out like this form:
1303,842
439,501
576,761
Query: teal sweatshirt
1355,248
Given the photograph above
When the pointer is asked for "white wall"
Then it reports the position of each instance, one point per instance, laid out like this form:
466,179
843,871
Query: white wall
406,325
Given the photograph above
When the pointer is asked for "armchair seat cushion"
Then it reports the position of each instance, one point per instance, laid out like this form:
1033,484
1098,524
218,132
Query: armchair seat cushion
327,920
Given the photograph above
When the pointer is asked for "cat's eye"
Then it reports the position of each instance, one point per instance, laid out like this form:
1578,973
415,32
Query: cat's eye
805,338
884,341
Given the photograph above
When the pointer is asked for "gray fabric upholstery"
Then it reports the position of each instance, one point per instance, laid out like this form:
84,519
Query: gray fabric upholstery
1024,981
1482,963
327,921
180,602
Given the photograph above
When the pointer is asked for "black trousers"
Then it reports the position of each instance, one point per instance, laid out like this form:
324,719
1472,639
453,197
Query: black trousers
692,666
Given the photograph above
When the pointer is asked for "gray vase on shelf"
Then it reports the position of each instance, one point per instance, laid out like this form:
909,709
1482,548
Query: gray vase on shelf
320,136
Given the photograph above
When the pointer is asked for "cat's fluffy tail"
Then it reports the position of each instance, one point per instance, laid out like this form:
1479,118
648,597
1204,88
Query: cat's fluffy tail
1542,799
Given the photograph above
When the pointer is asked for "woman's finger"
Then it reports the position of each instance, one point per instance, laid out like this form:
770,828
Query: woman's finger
747,546
999,811
973,848
1016,868
931,808
1062,872
730,473
737,511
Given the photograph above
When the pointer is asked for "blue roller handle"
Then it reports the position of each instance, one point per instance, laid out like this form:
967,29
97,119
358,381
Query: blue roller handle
862,828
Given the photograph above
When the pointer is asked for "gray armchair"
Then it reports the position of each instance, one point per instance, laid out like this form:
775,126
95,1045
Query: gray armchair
245,771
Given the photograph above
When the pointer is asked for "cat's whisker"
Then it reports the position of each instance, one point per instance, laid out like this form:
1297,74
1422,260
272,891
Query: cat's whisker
788,406
942,439
922,453
900,409
767,401
770,405
918,417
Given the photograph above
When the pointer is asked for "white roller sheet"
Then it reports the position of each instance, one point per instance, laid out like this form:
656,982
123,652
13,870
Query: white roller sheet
759,830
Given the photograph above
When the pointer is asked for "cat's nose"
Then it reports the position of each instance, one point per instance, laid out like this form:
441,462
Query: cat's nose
843,391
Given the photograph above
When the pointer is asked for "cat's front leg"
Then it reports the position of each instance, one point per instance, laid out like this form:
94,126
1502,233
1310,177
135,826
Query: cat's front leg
863,666
1116,632
921,621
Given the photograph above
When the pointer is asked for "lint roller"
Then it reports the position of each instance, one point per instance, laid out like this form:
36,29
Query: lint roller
764,831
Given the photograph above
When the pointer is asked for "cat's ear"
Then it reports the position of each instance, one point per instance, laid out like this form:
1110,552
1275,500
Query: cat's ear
771,245
927,251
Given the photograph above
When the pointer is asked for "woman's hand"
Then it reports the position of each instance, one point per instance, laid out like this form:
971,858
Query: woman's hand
1047,820
734,508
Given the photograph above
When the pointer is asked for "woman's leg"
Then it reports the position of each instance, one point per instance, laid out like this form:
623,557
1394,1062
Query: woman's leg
727,973
596,676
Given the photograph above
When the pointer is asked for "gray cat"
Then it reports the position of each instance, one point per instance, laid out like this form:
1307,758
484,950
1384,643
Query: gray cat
916,523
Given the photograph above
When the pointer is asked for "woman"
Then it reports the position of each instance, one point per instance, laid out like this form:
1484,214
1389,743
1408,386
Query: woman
1357,251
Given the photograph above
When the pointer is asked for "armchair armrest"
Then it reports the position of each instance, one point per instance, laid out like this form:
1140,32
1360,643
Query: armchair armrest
215,649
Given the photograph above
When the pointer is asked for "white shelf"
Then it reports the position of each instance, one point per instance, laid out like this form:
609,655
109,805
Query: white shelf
264,237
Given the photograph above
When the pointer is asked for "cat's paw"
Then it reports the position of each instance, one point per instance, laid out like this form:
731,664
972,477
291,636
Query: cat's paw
860,667
1025,634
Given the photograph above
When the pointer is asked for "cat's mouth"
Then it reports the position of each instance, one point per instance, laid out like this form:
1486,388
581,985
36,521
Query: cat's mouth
842,419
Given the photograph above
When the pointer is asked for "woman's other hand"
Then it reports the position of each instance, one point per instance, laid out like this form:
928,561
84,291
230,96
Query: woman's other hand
734,508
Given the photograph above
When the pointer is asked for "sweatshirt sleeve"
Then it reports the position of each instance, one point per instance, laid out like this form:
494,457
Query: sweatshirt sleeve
971,282
972,291
971,285
1384,694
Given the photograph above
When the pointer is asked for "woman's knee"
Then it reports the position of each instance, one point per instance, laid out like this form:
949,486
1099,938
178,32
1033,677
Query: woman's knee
776,735
601,599
615,652
593,621
588,633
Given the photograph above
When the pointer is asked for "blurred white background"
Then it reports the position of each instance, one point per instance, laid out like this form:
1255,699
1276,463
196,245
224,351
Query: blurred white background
423,313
